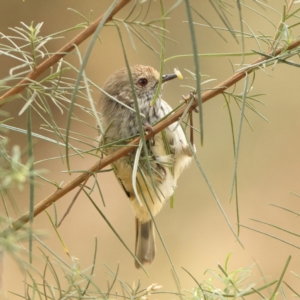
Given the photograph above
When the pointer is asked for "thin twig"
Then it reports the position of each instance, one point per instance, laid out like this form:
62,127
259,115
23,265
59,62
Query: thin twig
72,203
45,65
220,88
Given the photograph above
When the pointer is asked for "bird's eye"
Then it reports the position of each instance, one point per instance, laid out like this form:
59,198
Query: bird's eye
143,82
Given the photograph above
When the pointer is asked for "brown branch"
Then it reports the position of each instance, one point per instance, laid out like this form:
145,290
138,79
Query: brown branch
45,65
220,88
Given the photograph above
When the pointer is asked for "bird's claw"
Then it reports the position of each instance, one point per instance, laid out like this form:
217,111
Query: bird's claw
149,130
191,96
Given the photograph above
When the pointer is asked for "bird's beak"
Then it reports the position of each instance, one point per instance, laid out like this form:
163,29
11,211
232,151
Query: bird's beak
168,77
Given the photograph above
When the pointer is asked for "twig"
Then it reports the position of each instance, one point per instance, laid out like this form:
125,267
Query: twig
45,65
220,88
72,203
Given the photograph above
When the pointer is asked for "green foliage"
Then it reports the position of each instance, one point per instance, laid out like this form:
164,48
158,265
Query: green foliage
67,88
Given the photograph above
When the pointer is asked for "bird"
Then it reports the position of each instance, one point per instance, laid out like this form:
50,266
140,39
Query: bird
168,151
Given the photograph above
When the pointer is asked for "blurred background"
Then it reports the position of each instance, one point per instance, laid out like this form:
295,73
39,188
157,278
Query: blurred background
195,231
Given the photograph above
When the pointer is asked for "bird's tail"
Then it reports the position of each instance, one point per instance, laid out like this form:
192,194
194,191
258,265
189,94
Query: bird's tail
144,243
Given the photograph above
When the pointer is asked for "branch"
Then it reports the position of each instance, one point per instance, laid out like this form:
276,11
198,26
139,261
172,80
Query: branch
220,88
45,65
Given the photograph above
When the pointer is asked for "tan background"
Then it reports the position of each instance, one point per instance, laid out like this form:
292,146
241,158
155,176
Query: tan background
195,231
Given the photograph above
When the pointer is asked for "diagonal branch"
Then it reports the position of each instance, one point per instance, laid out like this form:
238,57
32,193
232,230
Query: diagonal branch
45,65
220,88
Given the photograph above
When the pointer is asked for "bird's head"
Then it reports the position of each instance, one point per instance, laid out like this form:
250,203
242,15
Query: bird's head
145,80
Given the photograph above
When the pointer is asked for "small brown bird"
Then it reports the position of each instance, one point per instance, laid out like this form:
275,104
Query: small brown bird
168,152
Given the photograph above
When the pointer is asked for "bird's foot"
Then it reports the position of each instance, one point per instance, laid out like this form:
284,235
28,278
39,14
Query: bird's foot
149,130
191,96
